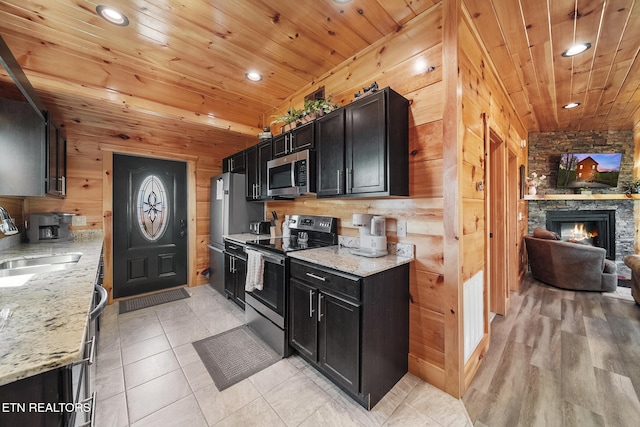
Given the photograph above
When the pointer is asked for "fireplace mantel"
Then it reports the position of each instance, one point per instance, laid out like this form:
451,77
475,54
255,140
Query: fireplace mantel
583,197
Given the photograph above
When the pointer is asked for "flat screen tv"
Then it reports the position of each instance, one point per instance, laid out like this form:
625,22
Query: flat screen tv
589,170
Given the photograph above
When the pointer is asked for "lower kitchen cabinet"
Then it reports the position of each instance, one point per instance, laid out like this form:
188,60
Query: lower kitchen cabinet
235,272
355,330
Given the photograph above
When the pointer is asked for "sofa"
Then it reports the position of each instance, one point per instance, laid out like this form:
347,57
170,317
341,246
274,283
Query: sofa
633,262
569,265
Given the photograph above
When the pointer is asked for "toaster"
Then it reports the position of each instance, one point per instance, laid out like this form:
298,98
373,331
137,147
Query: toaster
259,227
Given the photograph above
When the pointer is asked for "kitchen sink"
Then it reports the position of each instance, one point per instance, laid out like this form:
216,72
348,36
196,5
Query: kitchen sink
38,264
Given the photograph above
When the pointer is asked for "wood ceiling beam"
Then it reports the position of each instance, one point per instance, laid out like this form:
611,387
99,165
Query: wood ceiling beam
121,103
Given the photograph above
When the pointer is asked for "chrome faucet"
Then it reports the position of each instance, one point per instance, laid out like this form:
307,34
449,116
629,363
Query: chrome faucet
7,225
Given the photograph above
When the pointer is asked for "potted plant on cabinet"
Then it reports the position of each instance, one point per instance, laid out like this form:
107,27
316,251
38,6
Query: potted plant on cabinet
311,110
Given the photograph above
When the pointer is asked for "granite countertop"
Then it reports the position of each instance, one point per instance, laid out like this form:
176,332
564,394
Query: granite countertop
46,329
339,258
245,237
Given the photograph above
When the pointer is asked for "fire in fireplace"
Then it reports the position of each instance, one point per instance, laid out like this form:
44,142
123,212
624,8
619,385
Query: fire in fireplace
596,228
580,232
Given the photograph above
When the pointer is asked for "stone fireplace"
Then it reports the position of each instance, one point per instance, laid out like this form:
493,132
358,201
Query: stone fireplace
545,150
587,227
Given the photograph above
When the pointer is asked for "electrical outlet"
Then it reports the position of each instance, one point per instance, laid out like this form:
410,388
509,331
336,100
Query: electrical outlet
79,220
402,228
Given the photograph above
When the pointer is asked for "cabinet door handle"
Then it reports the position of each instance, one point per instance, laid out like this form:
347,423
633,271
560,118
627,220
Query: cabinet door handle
339,183
63,186
311,310
348,173
316,277
291,143
320,296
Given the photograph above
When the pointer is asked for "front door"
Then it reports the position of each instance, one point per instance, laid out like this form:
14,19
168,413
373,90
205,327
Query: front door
149,225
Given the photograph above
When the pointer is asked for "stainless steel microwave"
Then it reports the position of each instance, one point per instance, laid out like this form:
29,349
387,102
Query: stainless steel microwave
291,175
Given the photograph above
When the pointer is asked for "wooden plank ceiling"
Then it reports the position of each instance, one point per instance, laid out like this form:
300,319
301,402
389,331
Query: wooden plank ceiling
526,38
186,60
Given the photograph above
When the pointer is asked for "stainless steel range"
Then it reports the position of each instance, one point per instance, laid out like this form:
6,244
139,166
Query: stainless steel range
266,310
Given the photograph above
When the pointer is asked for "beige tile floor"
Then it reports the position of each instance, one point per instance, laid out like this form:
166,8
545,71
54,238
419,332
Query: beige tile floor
148,374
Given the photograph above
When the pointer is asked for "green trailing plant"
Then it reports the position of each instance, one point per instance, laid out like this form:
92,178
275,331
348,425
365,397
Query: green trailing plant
631,187
292,116
320,106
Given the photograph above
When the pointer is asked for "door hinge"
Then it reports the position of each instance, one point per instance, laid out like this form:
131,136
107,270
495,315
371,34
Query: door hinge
490,235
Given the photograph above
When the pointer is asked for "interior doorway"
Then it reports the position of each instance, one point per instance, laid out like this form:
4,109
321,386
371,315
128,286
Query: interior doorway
497,203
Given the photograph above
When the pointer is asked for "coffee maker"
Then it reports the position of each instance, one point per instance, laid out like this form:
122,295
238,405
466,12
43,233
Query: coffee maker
373,235
48,227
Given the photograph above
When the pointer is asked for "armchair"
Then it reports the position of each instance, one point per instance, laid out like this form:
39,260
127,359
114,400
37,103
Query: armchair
570,265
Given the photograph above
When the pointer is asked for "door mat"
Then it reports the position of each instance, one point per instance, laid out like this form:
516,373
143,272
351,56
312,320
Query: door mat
151,300
624,282
234,355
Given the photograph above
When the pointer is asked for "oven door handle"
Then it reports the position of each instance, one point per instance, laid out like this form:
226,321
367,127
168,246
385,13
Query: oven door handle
270,258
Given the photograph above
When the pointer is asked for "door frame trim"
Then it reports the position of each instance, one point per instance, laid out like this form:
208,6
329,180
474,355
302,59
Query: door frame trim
107,207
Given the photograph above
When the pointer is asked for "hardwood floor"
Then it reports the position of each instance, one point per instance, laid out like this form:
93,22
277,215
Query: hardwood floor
560,358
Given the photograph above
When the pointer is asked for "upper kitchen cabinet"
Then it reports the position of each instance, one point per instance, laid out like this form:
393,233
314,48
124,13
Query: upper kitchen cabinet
56,163
299,138
22,138
234,163
363,148
256,159
264,155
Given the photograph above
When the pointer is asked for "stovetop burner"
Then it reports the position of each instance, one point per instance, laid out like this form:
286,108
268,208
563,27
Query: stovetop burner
321,231
287,244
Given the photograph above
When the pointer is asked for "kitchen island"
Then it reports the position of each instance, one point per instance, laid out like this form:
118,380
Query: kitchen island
49,312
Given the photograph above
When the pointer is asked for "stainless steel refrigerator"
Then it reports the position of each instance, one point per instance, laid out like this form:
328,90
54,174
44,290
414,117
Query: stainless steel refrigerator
230,214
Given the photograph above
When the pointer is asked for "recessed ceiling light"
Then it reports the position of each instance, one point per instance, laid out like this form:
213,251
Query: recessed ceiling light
254,76
571,105
576,49
111,15
341,1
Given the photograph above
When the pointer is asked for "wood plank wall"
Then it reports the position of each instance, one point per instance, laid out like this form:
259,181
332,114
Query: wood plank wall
485,104
399,61
392,62
85,169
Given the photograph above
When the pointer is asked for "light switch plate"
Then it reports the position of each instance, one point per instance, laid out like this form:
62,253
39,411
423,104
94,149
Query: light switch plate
402,228
79,220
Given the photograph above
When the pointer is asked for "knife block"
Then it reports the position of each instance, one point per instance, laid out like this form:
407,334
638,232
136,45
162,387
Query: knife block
276,228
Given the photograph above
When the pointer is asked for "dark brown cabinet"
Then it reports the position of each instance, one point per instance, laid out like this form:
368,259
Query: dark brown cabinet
330,154
53,387
252,172
56,164
355,330
264,155
23,142
256,159
234,163
363,148
299,138
326,328
235,272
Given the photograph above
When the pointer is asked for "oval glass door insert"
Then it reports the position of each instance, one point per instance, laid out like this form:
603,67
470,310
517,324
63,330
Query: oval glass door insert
153,212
